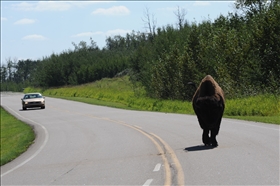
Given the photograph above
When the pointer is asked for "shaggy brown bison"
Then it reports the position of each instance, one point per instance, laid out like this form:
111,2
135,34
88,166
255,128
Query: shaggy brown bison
209,104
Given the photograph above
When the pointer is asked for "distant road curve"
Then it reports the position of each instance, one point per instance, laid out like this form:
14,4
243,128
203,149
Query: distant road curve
79,144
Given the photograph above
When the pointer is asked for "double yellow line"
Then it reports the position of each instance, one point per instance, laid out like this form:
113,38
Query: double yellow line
165,151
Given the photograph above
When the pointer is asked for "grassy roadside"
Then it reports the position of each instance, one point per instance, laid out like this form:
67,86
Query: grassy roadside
121,93
16,137
265,119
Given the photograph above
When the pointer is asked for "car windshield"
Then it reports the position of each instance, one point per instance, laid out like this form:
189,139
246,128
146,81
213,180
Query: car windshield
32,96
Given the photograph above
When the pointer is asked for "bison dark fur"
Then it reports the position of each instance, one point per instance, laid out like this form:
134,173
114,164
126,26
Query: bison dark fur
209,104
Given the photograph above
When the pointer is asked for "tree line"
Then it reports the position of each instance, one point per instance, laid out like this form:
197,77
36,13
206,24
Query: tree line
240,50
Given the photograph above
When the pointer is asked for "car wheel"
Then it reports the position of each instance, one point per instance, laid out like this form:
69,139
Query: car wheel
23,108
43,107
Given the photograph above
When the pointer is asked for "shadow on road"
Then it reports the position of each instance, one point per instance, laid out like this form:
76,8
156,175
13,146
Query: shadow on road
199,148
30,109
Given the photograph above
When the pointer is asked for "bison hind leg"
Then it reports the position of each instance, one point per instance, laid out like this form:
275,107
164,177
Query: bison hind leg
214,133
205,137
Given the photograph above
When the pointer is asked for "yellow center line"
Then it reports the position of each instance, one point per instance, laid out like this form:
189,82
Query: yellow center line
152,137
161,153
180,173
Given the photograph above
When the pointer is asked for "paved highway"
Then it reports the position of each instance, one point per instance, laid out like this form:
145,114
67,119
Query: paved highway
82,144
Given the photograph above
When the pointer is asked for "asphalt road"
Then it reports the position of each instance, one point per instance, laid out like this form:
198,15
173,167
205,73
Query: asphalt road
82,144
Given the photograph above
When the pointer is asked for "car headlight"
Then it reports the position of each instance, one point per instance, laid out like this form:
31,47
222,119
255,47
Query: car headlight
25,102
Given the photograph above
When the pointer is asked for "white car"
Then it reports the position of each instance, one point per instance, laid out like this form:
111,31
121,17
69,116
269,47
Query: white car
31,100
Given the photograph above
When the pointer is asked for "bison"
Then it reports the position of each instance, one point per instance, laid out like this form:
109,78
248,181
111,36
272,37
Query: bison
209,103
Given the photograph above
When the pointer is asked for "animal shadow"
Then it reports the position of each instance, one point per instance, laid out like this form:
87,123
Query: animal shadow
199,148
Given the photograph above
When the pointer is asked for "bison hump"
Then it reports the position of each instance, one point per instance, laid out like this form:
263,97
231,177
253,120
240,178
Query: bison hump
207,88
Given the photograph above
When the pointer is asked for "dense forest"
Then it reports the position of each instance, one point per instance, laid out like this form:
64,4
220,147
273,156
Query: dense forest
240,50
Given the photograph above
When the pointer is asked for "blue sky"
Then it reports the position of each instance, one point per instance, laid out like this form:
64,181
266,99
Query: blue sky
36,29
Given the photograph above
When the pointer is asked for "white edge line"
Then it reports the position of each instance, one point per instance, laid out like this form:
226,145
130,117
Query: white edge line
229,120
148,182
36,153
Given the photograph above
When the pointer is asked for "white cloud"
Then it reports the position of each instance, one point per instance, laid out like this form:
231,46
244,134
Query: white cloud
168,9
34,37
43,6
201,3
82,4
107,33
117,32
53,5
24,21
115,10
174,9
87,34
4,19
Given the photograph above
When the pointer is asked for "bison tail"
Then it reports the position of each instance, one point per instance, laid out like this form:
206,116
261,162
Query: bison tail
192,84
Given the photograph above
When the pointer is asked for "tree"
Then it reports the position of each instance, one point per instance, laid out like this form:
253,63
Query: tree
253,7
180,14
4,73
150,22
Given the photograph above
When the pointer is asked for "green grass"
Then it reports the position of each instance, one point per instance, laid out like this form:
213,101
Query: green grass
120,93
16,137
261,105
